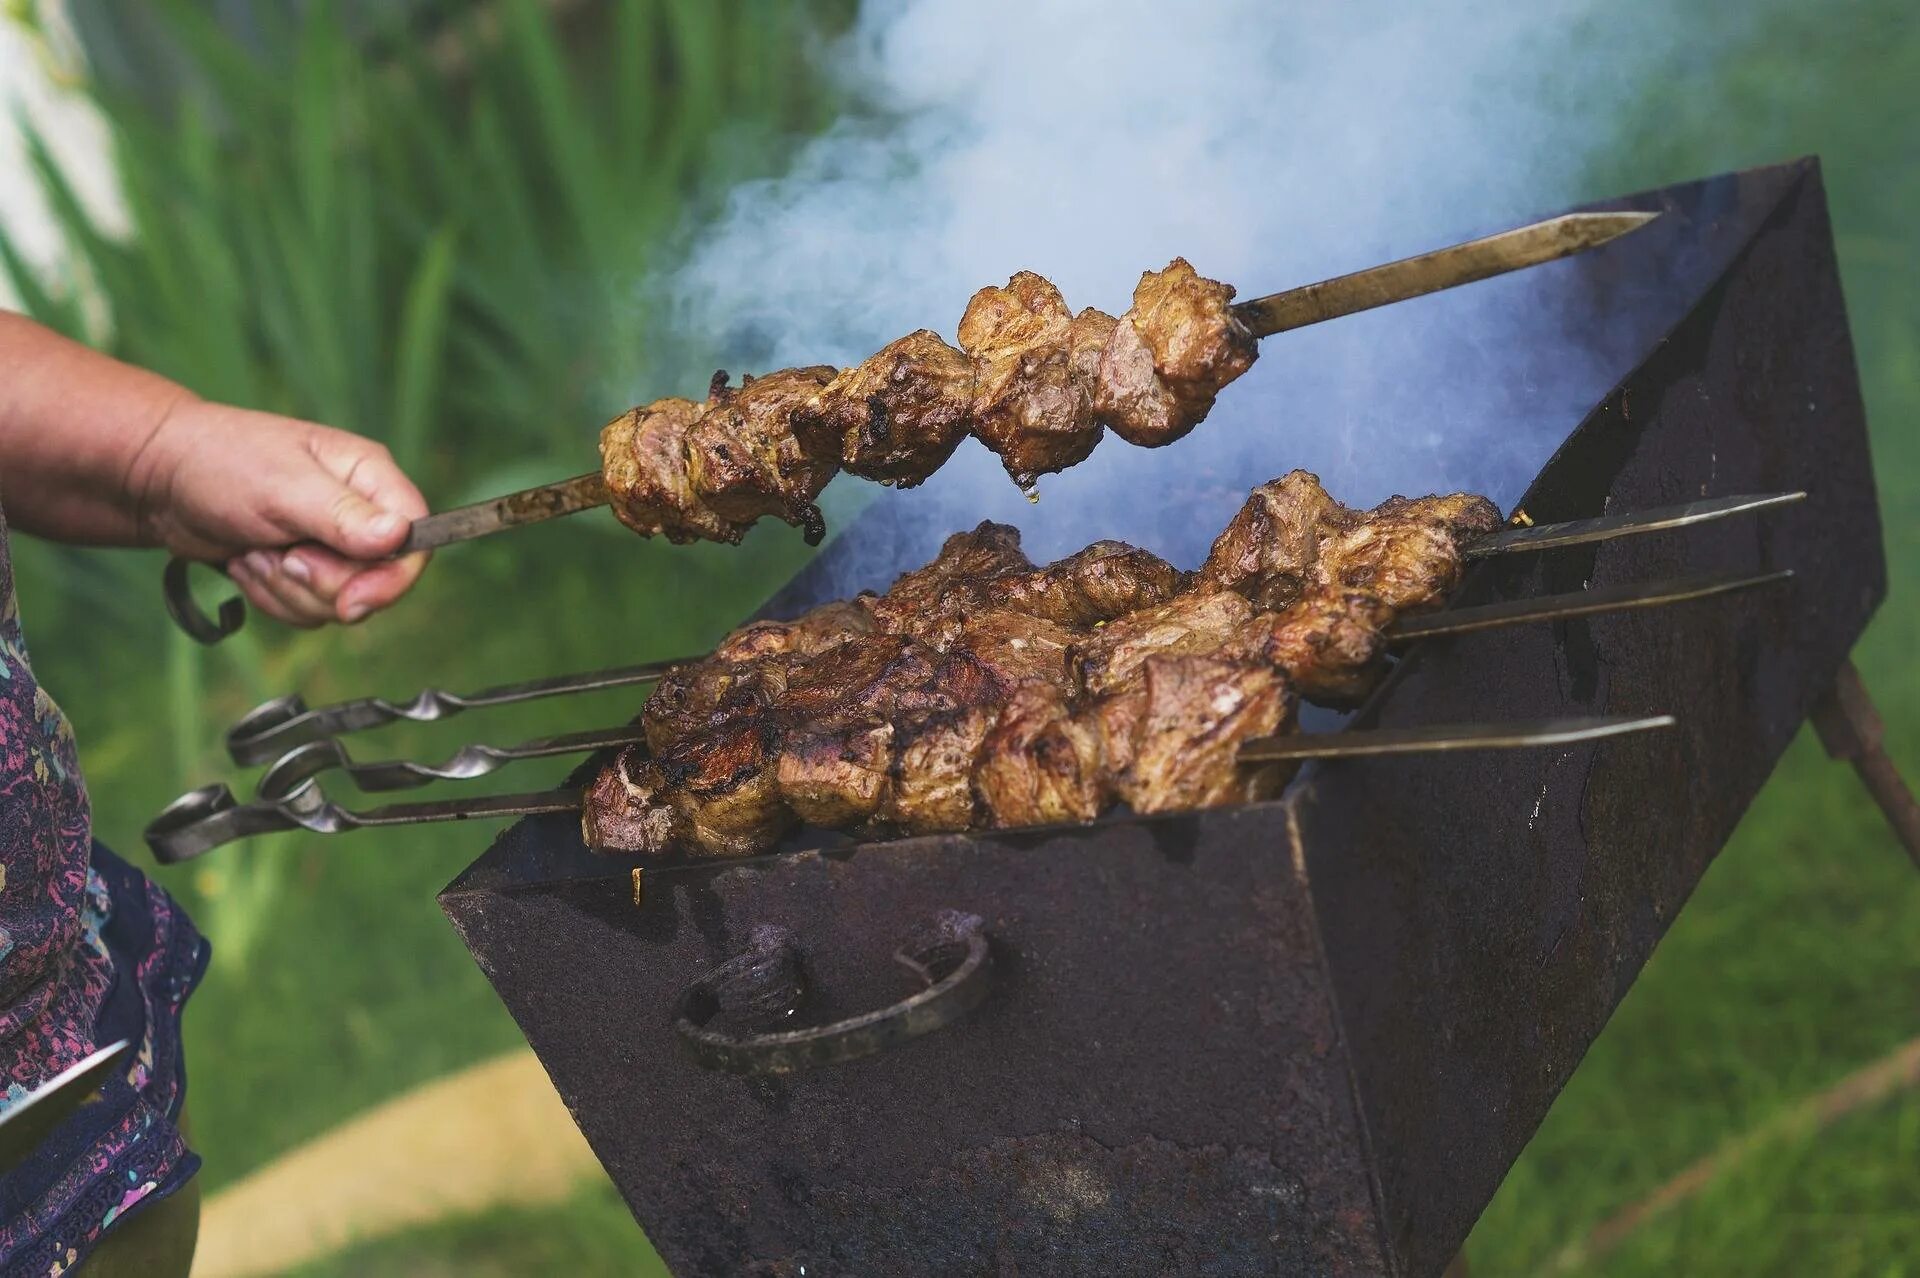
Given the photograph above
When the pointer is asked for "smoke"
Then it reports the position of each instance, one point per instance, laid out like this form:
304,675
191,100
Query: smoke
1269,143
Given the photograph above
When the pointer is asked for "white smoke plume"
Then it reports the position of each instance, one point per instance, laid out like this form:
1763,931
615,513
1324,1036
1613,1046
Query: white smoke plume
1271,143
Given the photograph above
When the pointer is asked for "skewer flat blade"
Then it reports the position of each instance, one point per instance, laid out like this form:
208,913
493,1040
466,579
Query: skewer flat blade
1624,597
1526,734
528,506
1445,268
1576,532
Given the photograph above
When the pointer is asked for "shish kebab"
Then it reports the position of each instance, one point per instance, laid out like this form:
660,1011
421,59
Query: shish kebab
290,798
280,724
1033,381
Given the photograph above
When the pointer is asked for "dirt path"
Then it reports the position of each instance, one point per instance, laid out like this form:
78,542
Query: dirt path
493,1133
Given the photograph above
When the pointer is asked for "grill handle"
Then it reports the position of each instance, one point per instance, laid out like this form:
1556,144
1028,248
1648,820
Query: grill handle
767,982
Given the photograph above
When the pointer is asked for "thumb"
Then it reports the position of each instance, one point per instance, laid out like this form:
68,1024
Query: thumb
318,505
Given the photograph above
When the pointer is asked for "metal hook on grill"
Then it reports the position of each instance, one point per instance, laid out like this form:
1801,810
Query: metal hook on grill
303,763
273,727
201,820
952,958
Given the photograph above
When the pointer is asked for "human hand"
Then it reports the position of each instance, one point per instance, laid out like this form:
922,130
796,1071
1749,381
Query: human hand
232,486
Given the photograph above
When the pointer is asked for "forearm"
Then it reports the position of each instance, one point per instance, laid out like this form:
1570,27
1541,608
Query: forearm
75,426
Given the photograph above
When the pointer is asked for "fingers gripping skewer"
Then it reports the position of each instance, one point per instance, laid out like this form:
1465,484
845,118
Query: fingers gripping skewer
204,819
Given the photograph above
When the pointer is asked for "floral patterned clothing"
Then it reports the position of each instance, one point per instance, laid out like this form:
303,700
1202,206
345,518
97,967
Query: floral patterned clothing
91,952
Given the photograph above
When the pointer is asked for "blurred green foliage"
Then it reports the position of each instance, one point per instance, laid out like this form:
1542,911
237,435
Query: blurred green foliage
451,260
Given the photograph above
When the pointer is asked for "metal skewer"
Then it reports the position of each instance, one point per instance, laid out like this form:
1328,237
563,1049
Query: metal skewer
274,727
303,763
1623,597
1491,255
200,821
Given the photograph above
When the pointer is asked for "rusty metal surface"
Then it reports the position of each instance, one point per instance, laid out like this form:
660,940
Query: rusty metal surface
1307,1036
1155,1085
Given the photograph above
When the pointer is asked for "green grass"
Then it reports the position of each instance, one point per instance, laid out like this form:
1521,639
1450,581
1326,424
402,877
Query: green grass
468,329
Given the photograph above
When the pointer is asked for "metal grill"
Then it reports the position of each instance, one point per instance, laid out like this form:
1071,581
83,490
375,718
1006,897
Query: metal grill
1303,1036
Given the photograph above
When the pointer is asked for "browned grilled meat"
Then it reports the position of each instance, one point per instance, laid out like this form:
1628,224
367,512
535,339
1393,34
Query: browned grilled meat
931,602
813,631
1291,538
629,808
1027,407
1269,550
1195,623
982,689
1013,648
833,775
931,790
1041,764
744,459
1331,644
643,455
1180,735
1170,355
1106,580
899,415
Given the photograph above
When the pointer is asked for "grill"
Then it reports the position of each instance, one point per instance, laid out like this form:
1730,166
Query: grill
1302,1036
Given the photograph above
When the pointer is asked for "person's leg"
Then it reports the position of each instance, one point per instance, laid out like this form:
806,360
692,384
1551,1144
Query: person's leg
156,1243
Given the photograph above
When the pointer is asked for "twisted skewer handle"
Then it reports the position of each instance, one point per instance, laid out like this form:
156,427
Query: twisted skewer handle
274,727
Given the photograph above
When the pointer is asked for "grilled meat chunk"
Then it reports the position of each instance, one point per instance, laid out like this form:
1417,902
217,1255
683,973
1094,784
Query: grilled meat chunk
1013,648
1027,406
724,787
1331,644
897,416
744,459
1170,355
629,808
1190,716
1291,538
931,602
1040,764
1269,550
1106,580
834,775
703,695
811,632
931,790
643,455
1195,623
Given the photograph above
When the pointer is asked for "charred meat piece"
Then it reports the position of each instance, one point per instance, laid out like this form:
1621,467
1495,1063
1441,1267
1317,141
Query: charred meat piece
1027,406
724,788
813,631
744,459
868,678
629,808
834,775
1193,624
1331,644
1407,551
1269,551
931,790
1191,716
1106,580
643,456
897,416
1170,355
1040,764
1013,648
931,602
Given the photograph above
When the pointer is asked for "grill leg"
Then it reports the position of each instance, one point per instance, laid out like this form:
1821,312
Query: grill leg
1850,729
